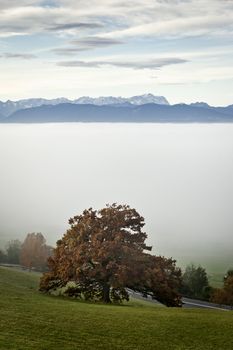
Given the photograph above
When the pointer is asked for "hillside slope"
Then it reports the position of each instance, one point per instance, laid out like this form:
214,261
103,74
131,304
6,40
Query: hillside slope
30,320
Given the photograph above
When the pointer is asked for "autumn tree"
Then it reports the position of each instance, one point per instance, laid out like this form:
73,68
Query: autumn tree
104,253
224,295
34,251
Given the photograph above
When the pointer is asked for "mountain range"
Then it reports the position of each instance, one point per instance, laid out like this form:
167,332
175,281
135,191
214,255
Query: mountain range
9,107
144,108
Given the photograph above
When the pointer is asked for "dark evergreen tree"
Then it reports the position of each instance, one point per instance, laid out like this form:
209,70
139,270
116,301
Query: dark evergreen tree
195,282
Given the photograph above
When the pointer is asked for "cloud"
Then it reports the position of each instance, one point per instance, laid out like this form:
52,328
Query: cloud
25,56
69,51
163,18
179,27
31,17
87,43
78,25
96,41
145,64
31,20
6,4
118,19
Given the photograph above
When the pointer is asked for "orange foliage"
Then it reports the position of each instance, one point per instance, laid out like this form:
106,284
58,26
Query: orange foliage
225,294
103,253
34,251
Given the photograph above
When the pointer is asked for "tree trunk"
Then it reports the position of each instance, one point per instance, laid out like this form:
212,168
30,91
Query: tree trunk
106,294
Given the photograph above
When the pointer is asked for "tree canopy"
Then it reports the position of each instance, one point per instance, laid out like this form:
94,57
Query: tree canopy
34,251
3,256
13,249
195,282
103,253
225,295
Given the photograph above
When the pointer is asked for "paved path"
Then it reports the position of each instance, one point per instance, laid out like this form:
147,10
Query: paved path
187,303
193,303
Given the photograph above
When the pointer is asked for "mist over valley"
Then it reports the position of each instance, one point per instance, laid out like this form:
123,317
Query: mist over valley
178,176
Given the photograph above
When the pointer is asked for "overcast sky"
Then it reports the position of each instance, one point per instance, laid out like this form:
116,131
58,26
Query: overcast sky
181,49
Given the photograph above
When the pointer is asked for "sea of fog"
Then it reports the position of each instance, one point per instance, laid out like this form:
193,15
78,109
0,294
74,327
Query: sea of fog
178,176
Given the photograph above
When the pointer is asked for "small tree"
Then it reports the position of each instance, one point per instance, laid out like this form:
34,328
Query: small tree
13,249
195,282
35,252
103,254
3,257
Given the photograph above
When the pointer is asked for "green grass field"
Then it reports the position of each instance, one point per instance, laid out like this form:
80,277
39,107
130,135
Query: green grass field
30,320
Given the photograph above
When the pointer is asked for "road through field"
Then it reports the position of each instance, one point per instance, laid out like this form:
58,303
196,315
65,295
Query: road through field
187,302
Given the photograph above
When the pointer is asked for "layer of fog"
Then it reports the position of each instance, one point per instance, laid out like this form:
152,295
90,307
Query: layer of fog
179,177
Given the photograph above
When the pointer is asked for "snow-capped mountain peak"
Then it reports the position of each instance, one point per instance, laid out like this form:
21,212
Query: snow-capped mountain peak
9,107
148,98
111,100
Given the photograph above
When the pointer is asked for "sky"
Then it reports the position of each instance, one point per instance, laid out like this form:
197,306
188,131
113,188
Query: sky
181,49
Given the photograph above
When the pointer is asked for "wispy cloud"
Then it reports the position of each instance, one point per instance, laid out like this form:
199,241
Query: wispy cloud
78,25
135,19
25,56
145,64
96,42
6,4
87,43
210,25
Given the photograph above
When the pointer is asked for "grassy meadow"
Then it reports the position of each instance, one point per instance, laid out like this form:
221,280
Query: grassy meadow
30,320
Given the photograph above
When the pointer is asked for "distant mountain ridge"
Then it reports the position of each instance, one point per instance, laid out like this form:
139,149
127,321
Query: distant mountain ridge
141,108
134,100
146,113
9,107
